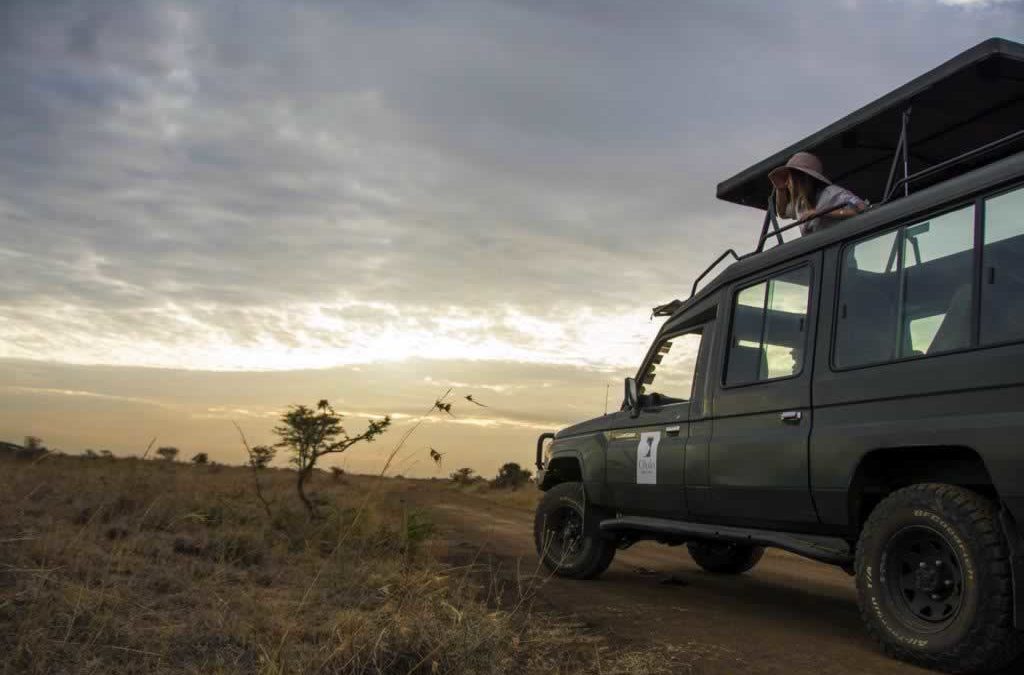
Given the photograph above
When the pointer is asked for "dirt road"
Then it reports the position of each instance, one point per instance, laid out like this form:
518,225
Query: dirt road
788,615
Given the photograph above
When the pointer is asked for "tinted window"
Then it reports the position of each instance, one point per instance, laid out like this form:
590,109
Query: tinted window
768,328
1002,285
868,293
938,259
908,292
672,369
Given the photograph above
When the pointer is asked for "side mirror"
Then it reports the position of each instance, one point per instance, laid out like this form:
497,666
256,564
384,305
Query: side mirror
631,400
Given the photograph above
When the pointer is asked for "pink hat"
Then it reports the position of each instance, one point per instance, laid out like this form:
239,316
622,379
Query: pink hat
804,162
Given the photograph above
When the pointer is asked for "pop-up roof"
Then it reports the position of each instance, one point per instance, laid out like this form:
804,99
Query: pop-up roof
973,99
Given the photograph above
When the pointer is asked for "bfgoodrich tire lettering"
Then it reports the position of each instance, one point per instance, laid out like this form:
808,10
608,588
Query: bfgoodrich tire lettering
933,580
566,531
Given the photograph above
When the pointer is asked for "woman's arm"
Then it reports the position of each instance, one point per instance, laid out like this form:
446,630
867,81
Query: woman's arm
849,211
851,204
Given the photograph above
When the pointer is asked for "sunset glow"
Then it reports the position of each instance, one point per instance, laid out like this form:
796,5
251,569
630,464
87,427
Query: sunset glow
208,214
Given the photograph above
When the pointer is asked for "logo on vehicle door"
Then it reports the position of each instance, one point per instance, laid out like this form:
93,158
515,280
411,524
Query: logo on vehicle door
647,458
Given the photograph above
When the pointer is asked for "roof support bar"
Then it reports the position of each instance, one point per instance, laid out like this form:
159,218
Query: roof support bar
770,218
727,253
969,155
901,153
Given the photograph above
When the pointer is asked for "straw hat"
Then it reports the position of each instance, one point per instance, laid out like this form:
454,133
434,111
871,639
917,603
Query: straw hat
803,162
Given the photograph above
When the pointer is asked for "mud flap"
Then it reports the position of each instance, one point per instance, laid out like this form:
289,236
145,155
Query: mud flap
1016,544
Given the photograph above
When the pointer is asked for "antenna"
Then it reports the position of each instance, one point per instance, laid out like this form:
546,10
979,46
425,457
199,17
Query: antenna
606,387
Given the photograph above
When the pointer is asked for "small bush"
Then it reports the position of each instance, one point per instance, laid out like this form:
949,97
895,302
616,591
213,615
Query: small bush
32,449
465,476
261,456
511,475
168,453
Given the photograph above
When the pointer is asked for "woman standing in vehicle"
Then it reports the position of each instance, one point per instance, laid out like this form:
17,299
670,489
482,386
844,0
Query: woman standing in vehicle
802,191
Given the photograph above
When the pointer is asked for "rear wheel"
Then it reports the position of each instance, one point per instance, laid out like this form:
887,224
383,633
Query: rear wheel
722,557
566,531
933,580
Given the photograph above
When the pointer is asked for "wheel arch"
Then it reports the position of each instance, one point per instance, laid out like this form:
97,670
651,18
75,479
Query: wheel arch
884,470
562,468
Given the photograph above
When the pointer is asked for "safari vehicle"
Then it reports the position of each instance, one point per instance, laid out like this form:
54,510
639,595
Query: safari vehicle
855,396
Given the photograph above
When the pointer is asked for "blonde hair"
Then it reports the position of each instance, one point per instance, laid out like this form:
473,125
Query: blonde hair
804,191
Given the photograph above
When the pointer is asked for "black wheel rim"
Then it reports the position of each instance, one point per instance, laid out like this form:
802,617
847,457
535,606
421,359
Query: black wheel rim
565,535
924,578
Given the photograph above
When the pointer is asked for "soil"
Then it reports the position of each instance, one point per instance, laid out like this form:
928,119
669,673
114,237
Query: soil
788,615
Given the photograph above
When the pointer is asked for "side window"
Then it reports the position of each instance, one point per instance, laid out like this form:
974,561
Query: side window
672,370
1002,280
907,293
868,294
769,329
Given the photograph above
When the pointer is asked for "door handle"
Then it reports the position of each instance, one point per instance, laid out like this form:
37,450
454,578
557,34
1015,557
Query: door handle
791,416
673,430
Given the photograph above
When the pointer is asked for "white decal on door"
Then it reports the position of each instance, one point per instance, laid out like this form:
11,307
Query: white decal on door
647,458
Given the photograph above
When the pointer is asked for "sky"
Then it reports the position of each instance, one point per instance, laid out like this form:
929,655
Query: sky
210,211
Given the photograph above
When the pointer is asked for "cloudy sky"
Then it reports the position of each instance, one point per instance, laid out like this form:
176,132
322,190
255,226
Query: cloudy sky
202,202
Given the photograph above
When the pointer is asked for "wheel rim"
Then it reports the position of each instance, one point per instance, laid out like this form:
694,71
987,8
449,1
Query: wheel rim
924,578
565,534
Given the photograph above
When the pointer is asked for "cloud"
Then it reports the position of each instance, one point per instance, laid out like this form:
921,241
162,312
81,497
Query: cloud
308,335
976,3
54,391
291,185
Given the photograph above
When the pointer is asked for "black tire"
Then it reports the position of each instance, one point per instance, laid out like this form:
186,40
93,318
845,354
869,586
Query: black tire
566,531
933,580
722,557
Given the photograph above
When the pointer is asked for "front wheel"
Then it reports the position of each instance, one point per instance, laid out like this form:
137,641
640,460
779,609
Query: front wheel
566,531
934,583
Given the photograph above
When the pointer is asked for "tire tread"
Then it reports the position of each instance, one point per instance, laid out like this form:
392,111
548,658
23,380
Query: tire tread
603,551
993,642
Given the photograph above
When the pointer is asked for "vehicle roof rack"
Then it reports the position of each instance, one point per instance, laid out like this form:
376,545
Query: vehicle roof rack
956,109
950,120
670,308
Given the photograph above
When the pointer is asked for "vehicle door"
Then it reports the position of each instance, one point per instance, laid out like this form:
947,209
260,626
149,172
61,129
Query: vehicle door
646,452
761,413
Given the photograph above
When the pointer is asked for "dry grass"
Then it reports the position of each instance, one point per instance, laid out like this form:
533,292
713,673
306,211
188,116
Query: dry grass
523,498
130,566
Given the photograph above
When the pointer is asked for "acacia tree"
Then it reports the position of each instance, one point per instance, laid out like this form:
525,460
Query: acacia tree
201,458
169,453
309,434
32,449
260,456
34,444
511,475
464,476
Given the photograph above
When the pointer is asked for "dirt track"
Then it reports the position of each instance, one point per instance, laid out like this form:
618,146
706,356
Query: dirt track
788,615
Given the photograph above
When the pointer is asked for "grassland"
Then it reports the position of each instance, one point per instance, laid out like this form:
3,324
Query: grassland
132,566
524,498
